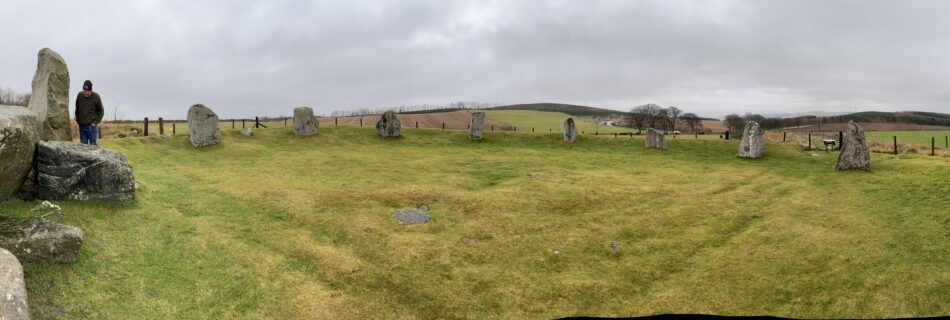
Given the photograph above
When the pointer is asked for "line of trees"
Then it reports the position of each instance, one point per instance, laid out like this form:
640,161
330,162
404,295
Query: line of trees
12,98
668,119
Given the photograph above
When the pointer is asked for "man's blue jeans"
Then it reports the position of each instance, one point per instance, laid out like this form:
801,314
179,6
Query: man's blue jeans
88,134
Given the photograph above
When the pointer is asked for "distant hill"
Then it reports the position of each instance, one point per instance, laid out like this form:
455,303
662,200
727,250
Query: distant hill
905,117
574,110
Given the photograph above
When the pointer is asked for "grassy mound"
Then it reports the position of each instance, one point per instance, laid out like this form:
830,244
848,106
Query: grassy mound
277,226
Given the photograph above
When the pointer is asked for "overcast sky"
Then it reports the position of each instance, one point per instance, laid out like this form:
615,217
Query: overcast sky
244,58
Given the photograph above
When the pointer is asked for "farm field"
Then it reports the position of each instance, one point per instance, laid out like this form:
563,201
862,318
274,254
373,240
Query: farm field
280,227
915,137
542,121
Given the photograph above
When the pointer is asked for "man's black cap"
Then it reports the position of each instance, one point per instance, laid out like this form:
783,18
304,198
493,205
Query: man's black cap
87,85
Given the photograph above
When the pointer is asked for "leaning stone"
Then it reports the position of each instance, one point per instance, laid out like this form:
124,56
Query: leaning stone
50,98
247,132
570,130
388,125
476,126
304,122
203,126
39,239
18,136
12,288
411,216
655,139
854,149
73,171
753,141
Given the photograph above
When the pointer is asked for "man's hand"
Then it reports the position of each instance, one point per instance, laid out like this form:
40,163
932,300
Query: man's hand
93,124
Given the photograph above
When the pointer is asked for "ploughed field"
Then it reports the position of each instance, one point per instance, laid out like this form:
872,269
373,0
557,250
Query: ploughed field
278,226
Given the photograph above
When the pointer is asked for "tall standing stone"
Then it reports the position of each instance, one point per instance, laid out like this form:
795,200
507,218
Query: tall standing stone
570,130
50,97
18,137
12,288
476,126
203,126
388,125
854,149
655,139
304,122
753,141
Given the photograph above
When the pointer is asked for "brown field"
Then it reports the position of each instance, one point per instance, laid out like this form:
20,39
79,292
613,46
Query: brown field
715,125
870,126
456,120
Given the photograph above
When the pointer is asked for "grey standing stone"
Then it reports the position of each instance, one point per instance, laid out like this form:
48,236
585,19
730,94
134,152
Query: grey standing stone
39,239
69,170
50,98
753,141
411,216
18,136
12,288
655,139
203,126
570,130
477,125
854,149
304,122
388,125
247,132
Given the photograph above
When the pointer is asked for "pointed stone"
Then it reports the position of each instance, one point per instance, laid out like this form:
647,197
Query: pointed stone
203,126
570,130
50,97
855,153
304,122
476,126
388,125
753,141
655,139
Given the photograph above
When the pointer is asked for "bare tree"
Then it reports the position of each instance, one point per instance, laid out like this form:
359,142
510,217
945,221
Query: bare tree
637,117
654,113
692,121
671,114
734,122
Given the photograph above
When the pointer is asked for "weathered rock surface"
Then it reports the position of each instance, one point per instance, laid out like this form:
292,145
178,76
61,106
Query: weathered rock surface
570,130
655,139
304,122
12,288
854,149
39,239
388,125
411,216
50,98
69,170
247,132
18,137
753,141
203,126
476,126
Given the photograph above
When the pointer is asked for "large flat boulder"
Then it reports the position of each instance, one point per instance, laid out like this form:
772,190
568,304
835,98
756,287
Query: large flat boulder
855,153
18,137
388,125
304,122
203,126
50,98
753,141
39,239
12,288
69,170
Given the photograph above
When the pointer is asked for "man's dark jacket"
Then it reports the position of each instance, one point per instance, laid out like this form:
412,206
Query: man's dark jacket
89,110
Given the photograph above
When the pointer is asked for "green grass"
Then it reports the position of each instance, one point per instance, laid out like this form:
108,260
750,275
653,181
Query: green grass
276,226
915,137
542,121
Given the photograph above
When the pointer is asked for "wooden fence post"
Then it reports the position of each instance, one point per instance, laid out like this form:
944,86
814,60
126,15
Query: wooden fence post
285,121
809,140
243,123
840,139
361,121
145,132
727,136
336,121
895,145
257,122
232,123
99,130
516,129
173,128
161,126
783,136
443,126
417,124
932,144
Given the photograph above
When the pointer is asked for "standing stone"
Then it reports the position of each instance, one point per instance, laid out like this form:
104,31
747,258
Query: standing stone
39,239
655,139
203,126
304,122
570,130
854,150
12,288
18,137
73,171
50,98
753,141
476,126
388,125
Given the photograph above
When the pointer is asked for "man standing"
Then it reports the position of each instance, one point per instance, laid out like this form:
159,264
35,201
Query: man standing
89,112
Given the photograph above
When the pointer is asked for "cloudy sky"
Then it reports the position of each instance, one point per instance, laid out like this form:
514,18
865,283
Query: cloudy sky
245,58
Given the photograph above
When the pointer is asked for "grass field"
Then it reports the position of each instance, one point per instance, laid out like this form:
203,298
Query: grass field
276,226
542,121
915,137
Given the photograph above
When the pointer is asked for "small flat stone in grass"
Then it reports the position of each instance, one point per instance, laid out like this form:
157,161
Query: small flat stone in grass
411,216
615,246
